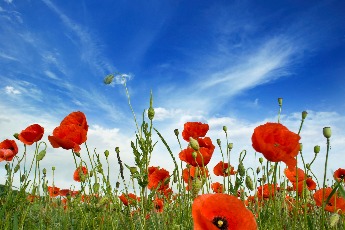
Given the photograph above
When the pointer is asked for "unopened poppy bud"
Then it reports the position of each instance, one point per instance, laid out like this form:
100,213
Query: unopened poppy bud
41,155
106,153
194,144
316,149
264,178
280,101
44,171
261,160
151,113
117,184
175,177
249,183
334,219
22,178
327,132
108,79
304,115
176,132
307,166
16,168
133,170
230,146
117,150
241,170
258,170
225,128
194,155
219,142
16,135
91,173
300,146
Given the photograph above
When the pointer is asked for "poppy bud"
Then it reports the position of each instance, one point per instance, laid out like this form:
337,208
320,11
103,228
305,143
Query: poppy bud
151,113
261,160
300,146
225,128
219,142
108,79
16,168
41,155
106,153
230,146
194,154
304,115
280,101
258,170
16,136
327,132
44,171
117,150
249,183
91,173
117,184
176,132
307,166
241,170
22,178
263,179
194,144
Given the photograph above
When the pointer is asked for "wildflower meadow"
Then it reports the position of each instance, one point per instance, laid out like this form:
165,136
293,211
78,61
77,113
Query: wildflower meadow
282,192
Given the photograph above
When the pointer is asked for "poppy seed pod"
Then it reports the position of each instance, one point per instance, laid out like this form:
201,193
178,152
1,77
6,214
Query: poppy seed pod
304,115
230,146
225,128
280,101
327,132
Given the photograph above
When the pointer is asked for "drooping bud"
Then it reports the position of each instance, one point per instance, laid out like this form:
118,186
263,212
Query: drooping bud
108,79
241,170
304,115
327,132
41,155
258,170
316,149
249,183
194,144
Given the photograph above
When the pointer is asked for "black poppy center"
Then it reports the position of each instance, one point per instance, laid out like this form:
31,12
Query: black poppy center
220,223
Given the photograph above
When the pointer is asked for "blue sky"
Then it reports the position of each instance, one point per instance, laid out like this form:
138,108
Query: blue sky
224,63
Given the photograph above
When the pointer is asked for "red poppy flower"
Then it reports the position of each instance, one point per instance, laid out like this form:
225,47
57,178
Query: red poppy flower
77,175
158,204
203,156
31,134
129,199
32,198
267,191
339,174
221,211
68,137
189,174
194,130
158,177
76,118
53,191
308,184
276,143
294,175
333,204
223,169
8,150
217,187
64,192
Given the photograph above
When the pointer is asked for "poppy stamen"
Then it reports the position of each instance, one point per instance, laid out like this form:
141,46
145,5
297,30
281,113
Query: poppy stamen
220,223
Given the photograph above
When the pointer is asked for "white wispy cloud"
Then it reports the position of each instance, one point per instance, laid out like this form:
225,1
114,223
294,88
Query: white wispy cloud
8,57
11,90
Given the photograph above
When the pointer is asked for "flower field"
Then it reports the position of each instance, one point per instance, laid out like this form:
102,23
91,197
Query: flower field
282,192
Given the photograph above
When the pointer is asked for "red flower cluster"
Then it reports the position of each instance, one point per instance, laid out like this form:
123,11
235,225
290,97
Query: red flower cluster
8,150
276,143
217,187
129,199
71,133
221,211
267,191
202,156
299,180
